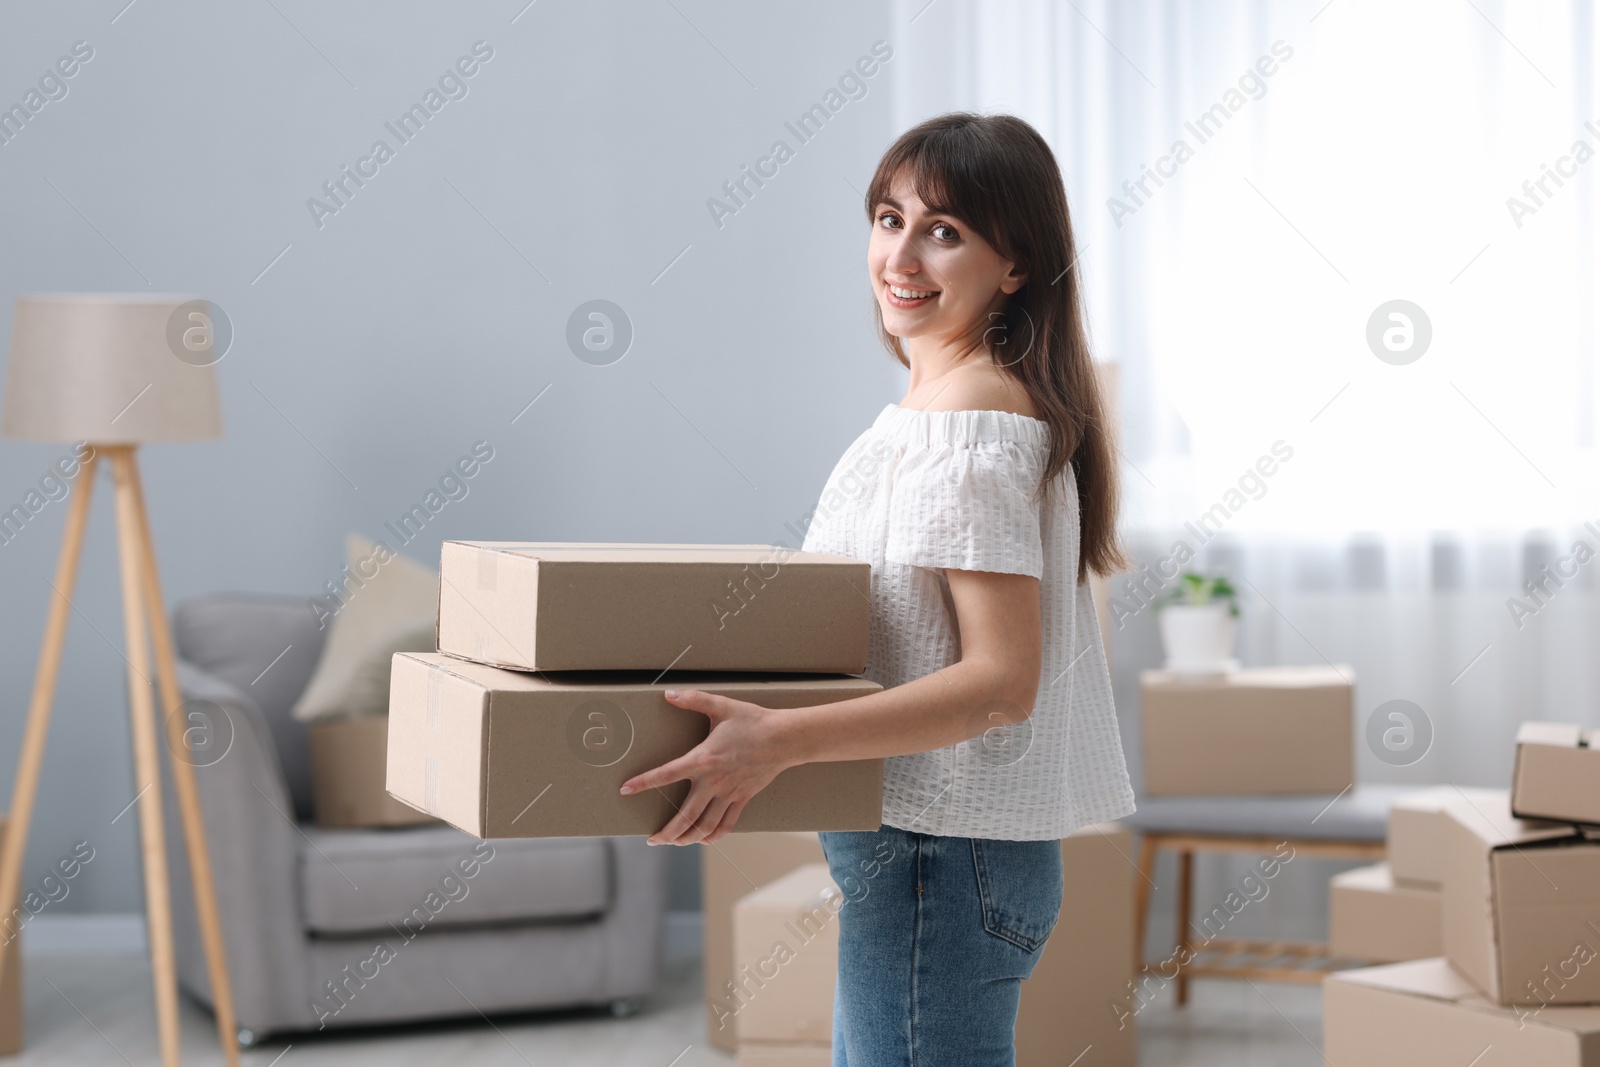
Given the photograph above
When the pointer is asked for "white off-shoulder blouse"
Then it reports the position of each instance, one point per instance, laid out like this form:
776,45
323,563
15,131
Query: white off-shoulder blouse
922,491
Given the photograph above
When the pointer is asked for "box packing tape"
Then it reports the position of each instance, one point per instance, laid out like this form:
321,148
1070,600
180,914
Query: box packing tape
430,785
488,562
435,701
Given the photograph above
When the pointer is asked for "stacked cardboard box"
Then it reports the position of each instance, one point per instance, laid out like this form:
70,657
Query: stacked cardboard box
1076,1007
547,692
1261,730
1375,917
739,864
1392,911
786,941
1518,978
1557,773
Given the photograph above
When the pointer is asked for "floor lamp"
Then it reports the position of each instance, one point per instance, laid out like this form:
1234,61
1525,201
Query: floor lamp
115,372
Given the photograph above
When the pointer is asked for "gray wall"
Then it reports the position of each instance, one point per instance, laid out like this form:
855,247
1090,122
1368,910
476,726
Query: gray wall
415,321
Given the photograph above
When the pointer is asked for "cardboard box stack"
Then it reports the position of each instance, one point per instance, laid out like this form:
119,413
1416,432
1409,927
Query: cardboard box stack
1517,981
739,864
546,694
1075,1008
1557,773
1374,917
1259,730
1392,911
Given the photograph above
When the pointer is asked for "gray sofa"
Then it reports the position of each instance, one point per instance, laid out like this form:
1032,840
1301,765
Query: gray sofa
339,927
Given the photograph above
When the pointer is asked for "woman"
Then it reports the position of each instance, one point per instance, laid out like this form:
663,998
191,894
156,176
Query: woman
982,500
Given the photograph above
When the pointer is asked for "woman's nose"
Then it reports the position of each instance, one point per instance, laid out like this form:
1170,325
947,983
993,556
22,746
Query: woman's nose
903,259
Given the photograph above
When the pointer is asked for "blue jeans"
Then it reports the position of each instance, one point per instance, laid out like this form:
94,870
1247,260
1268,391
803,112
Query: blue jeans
935,937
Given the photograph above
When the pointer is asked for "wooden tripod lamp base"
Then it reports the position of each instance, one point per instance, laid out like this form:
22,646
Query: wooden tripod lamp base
80,369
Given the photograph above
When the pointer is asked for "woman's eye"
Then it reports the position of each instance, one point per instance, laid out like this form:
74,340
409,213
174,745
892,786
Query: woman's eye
949,231
887,218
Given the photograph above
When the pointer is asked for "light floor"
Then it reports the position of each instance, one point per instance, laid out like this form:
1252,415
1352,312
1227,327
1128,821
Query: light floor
96,1009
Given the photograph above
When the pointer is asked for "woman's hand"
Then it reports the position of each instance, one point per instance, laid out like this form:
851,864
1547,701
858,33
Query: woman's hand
739,758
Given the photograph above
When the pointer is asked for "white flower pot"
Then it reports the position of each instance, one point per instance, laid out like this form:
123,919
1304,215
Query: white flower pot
1198,638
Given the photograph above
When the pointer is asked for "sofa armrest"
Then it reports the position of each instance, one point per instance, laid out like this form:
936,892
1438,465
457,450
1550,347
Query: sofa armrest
250,828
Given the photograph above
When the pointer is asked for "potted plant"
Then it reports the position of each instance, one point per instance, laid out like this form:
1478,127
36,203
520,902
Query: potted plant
1198,620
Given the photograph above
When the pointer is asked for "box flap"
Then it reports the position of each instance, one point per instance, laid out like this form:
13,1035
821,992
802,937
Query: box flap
1432,978
1566,735
1374,879
1436,980
1495,827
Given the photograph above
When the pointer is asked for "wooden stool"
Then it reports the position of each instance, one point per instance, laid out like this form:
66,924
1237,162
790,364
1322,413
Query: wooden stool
1349,826
1277,961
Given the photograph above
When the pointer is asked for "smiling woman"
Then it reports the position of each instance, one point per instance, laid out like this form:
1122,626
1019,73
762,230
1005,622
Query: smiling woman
982,501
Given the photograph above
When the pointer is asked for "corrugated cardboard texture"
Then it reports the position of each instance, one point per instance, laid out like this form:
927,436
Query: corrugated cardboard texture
349,758
1086,965
1263,730
1423,1014
1415,851
650,607
509,754
1557,773
737,865
786,957
1371,918
1520,900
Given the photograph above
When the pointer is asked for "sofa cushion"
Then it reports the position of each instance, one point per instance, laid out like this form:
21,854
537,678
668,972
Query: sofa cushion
369,881
1359,814
267,646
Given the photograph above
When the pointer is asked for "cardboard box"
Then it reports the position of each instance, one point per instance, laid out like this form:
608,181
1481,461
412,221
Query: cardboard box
786,958
1077,1002
11,977
762,1054
1372,918
1557,773
734,866
349,760
1425,1014
509,754
1415,850
1262,730
1521,906
1069,1004
650,607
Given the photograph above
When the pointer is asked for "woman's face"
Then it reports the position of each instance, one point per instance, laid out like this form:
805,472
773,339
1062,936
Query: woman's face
956,277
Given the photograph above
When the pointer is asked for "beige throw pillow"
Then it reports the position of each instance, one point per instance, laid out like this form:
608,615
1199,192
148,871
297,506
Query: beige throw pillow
392,610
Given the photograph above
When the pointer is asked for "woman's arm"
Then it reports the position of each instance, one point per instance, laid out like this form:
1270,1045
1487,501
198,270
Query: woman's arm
994,683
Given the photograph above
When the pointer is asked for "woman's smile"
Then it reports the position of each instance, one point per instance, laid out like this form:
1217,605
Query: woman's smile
908,297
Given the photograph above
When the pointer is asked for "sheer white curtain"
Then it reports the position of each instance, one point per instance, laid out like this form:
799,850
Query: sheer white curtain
1312,163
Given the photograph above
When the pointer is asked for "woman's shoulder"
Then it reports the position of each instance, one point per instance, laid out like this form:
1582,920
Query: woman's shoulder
977,388
968,410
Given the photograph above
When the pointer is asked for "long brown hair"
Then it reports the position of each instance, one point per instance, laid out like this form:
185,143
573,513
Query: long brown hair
997,175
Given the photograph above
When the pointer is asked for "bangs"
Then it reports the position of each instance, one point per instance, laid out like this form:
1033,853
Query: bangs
942,168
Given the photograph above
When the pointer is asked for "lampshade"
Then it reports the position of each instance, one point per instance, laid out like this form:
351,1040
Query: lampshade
113,368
